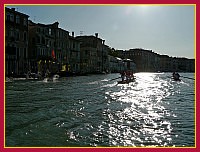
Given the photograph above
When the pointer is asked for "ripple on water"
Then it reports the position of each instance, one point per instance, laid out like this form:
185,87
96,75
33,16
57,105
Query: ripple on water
92,111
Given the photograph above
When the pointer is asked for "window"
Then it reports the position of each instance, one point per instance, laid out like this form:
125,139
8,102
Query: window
58,33
50,31
33,40
38,39
18,53
17,36
11,17
38,30
8,16
86,52
43,40
25,53
25,22
11,33
25,36
17,19
21,53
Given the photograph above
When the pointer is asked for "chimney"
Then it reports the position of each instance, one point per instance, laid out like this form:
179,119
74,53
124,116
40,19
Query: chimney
55,24
96,34
72,34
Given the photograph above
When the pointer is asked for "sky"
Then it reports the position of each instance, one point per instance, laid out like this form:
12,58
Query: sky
164,29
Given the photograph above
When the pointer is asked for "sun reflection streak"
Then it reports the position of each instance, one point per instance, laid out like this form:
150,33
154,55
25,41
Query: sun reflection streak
143,121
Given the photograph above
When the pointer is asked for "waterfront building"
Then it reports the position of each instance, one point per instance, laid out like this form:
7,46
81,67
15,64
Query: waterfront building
16,42
145,60
129,65
92,51
62,49
105,60
148,61
166,63
35,47
42,44
116,64
171,64
185,65
74,55
53,50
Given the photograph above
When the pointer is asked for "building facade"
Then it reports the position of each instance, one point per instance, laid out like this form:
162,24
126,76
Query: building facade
93,53
42,45
16,42
116,64
74,55
52,49
145,60
46,48
148,61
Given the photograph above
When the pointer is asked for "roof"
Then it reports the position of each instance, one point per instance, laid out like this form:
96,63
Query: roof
14,11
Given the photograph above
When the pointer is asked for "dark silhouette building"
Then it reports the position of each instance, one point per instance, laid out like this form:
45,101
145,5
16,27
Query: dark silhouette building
16,42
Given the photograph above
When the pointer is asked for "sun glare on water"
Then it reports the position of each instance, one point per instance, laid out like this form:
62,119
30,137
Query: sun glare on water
145,113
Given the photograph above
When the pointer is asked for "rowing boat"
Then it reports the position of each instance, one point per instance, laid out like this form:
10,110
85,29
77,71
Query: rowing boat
176,79
126,81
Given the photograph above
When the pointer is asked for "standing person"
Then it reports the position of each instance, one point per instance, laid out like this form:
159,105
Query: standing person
129,75
173,74
123,75
132,75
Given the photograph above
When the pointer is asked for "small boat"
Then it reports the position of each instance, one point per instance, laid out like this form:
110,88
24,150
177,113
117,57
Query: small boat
126,81
53,78
8,79
176,79
176,76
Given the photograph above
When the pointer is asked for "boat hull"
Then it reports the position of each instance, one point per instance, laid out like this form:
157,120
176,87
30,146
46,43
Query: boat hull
126,81
176,79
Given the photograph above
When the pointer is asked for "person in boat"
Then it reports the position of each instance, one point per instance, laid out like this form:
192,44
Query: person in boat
132,75
123,75
129,75
176,76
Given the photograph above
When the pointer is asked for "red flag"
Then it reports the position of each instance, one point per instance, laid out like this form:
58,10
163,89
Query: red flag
53,54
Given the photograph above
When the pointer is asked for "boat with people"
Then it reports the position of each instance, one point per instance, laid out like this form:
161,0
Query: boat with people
127,77
175,79
176,76
126,81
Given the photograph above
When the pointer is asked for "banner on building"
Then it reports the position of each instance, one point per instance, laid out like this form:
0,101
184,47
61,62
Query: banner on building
53,54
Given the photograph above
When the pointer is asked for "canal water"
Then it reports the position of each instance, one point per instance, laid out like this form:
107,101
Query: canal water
94,110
